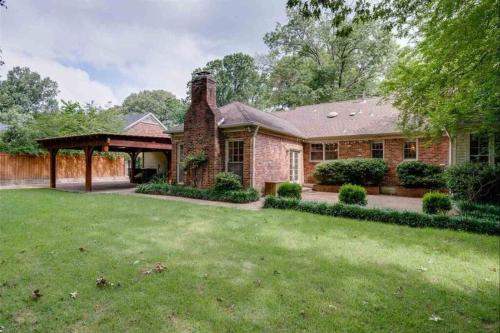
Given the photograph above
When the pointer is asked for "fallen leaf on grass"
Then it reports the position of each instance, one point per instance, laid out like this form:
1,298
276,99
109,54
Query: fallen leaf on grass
422,269
147,272
102,282
435,318
35,294
159,267
136,262
258,283
493,269
219,299
73,295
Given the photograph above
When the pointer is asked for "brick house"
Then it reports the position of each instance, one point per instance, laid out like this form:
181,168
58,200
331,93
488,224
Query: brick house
261,146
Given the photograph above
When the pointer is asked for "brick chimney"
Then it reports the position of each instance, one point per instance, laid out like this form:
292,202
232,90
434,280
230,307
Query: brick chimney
200,126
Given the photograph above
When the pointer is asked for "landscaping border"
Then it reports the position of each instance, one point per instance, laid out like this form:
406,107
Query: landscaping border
411,219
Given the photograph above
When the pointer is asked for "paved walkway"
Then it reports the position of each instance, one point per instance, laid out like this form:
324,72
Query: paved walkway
120,187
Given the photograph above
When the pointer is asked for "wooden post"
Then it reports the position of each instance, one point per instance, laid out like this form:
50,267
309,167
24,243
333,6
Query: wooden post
53,167
133,158
168,157
88,168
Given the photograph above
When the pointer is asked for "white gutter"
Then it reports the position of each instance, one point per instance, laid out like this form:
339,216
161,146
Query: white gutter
253,154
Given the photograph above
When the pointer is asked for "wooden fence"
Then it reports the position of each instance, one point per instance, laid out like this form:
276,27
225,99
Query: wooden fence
29,168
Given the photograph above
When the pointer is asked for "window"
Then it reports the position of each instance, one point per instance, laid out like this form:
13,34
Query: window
180,159
378,150
316,151
294,166
479,150
410,150
324,151
234,157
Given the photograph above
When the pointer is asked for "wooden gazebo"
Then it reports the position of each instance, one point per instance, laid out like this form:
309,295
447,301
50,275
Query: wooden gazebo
131,144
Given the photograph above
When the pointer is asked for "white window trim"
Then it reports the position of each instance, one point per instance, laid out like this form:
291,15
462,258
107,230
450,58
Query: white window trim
324,150
298,165
178,162
491,148
416,154
383,148
226,153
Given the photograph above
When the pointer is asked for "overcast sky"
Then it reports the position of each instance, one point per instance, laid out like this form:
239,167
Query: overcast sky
102,50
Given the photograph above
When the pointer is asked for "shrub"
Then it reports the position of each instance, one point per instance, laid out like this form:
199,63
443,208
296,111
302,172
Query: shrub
420,174
412,219
475,182
352,195
435,202
240,196
290,190
227,181
479,210
369,172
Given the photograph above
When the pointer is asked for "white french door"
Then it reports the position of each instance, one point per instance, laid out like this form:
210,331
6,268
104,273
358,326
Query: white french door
294,166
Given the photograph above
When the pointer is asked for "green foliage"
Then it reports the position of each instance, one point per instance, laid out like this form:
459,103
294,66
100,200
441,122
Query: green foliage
162,188
27,92
227,181
195,161
435,202
352,195
237,79
290,190
420,174
489,211
411,219
163,104
474,182
368,172
312,63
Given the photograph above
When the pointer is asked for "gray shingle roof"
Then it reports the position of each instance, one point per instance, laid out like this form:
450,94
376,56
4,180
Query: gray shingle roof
132,118
351,118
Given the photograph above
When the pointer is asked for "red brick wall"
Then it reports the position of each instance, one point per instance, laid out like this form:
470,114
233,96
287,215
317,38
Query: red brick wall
272,158
433,153
147,129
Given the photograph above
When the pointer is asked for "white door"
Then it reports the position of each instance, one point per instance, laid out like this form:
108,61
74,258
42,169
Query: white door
294,166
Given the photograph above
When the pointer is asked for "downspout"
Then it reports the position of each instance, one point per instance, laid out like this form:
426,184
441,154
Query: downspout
253,154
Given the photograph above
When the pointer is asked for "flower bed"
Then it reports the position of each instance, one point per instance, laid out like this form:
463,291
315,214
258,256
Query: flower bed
412,219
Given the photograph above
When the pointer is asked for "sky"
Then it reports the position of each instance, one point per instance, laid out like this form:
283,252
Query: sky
103,50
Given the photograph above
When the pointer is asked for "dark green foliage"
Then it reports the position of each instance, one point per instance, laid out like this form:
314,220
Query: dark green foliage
352,195
420,174
194,161
412,219
474,182
488,211
435,202
241,196
369,172
227,181
290,190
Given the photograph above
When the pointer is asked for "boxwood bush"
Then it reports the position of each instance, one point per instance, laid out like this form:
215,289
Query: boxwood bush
352,194
412,219
240,196
420,174
368,172
227,181
435,202
474,182
290,190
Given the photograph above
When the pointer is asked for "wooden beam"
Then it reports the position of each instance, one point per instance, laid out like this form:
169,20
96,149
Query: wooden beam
53,167
140,144
88,168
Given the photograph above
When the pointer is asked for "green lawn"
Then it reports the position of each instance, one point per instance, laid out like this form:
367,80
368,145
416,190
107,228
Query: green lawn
231,270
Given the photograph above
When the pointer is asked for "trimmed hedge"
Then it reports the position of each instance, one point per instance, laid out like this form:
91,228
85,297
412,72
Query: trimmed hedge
290,190
412,219
367,172
476,182
352,194
435,202
479,210
227,181
242,196
420,174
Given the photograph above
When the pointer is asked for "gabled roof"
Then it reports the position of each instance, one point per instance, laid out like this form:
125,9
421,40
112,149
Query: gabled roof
372,116
133,118
348,118
3,127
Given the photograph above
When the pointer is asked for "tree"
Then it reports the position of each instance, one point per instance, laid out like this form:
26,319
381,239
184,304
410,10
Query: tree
449,78
163,104
316,63
27,91
237,79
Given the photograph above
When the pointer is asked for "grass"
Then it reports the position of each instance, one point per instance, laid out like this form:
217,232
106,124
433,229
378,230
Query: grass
231,270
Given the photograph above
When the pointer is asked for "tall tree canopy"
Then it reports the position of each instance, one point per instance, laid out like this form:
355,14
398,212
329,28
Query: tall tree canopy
317,62
27,91
163,104
237,79
449,78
